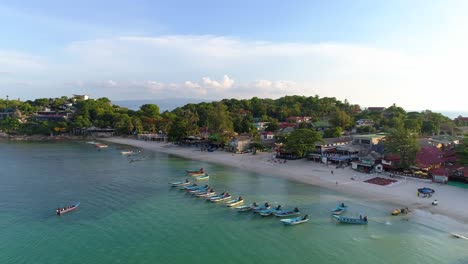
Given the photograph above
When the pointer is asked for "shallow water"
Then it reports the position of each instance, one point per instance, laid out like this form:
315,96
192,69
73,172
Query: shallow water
130,214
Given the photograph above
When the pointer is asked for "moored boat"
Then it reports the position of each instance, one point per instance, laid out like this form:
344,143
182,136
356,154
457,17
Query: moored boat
199,172
180,183
66,209
235,202
339,209
295,220
209,193
294,212
270,211
223,198
243,208
202,177
256,208
350,220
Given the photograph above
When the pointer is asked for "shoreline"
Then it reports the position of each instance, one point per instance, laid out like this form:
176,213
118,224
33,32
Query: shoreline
400,194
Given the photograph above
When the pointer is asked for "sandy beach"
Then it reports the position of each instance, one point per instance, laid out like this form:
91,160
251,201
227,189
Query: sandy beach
402,193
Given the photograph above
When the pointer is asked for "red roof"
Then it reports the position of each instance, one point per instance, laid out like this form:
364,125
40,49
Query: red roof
268,133
440,172
429,156
285,125
391,157
375,108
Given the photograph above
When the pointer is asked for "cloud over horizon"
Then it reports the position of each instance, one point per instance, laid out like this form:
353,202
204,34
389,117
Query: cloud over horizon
133,67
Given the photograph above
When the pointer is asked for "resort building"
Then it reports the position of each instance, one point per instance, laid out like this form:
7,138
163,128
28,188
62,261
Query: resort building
298,119
261,125
54,116
368,141
321,125
240,143
100,132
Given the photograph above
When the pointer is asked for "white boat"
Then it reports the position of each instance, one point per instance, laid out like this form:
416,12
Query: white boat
234,202
296,220
129,152
99,145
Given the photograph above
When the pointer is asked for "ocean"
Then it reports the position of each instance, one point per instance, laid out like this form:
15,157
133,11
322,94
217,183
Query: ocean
130,214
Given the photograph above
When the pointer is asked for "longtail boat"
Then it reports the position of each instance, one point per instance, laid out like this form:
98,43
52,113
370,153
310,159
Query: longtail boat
61,211
296,220
349,220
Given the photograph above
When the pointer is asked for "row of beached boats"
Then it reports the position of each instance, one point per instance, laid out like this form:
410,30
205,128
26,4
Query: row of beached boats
264,210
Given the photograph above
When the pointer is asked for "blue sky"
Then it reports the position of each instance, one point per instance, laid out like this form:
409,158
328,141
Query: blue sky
374,53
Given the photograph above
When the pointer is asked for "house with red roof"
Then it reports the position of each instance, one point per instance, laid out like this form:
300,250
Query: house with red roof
429,158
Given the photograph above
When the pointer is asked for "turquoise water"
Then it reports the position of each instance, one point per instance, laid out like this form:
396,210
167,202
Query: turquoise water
129,214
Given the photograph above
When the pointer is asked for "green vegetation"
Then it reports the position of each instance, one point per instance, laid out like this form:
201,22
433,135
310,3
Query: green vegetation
462,151
400,141
301,141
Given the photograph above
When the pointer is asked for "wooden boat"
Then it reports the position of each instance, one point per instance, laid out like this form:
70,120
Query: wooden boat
199,190
243,208
199,172
220,199
270,211
99,145
202,177
296,220
179,183
235,202
129,152
286,213
191,187
61,211
349,220
339,209
206,194
257,209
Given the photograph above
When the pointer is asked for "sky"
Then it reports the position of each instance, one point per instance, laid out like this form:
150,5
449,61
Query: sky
371,52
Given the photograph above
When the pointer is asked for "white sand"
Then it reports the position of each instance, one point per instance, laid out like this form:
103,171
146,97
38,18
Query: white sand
452,200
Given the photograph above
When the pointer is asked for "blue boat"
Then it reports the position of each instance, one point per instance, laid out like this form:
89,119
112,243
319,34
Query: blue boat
339,209
349,220
269,211
256,208
291,213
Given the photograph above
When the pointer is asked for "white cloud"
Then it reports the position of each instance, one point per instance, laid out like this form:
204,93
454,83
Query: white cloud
226,83
174,64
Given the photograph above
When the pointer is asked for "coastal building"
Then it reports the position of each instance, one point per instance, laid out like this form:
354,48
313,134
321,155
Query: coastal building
11,113
240,143
335,150
321,125
80,97
260,125
368,141
159,137
461,131
364,122
375,109
440,175
100,132
53,116
298,119
366,163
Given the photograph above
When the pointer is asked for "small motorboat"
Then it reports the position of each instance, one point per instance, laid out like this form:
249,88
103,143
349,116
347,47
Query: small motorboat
269,211
349,220
339,209
180,183
291,213
66,209
243,208
435,202
220,199
202,177
235,202
296,220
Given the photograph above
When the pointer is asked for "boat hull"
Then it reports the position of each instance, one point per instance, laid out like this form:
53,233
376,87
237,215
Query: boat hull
74,207
294,221
348,220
